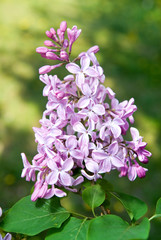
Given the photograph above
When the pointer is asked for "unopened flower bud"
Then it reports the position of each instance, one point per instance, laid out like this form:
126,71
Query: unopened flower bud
63,26
49,43
66,43
52,30
45,69
64,55
41,50
52,56
94,49
49,34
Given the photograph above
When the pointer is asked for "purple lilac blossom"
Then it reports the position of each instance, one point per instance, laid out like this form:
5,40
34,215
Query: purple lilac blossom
81,134
7,237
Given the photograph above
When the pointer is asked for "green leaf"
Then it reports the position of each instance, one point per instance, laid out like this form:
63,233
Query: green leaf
31,218
114,228
158,207
134,206
74,229
94,196
157,211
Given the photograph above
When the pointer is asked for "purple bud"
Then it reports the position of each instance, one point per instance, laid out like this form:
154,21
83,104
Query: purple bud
52,30
61,35
66,43
52,56
141,171
94,49
45,69
41,50
64,55
48,68
49,34
49,43
63,26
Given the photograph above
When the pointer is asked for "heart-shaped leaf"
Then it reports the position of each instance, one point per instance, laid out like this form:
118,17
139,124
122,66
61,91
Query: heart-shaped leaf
114,228
134,206
31,218
94,196
74,229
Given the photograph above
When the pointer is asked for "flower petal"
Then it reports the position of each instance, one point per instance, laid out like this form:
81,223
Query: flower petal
73,68
65,179
67,165
79,127
99,109
52,177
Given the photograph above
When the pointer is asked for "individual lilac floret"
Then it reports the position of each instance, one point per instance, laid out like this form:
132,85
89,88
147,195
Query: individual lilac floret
7,237
0,211
84,126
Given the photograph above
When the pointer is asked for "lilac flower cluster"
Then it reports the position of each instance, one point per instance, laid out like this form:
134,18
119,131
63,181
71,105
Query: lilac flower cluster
82,133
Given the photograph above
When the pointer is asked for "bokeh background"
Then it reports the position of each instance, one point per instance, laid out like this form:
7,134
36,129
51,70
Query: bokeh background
129,36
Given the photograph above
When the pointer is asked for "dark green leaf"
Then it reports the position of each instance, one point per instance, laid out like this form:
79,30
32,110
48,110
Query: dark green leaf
158,210
94,196
134,206
158,207
31,218
114,228
74,229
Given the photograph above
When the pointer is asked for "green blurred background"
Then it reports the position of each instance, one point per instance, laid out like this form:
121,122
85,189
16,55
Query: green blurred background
128,33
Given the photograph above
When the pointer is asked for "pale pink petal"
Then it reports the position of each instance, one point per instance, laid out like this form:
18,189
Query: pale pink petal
79,127
102,132
99,109
52,164
85,62
83,102
99,155
116,130
65,179
61,111
132,174
92,166
52,177
116,162
113,148
91,72
50,193
67,165
77,154
134,133
118,121
60,146
25,161
105,166
73,68
77,181
71,142
80,78
59,193
86,90
89,177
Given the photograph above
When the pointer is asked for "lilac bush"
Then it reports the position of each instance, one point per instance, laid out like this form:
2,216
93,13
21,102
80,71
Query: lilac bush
83,129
